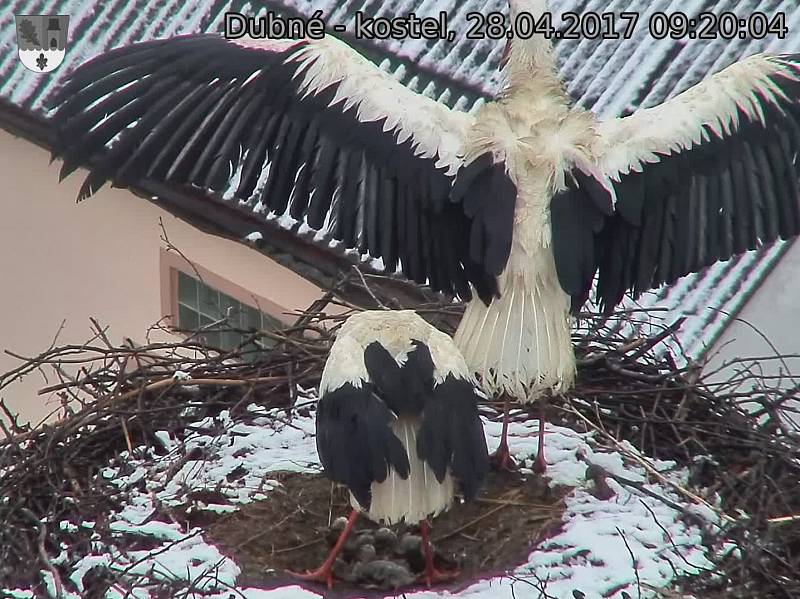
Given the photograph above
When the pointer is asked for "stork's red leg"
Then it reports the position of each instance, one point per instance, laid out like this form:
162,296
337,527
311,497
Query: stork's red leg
325,572
432,575
501,459
540,465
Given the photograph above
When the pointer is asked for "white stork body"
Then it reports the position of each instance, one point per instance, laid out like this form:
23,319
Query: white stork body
520,342
413,499
523,203
397,422
422,387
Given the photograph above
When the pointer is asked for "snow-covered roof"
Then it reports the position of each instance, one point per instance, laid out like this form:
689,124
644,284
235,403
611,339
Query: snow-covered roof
611,76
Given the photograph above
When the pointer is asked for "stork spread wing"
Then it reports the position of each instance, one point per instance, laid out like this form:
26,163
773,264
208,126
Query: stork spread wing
307,128
705,176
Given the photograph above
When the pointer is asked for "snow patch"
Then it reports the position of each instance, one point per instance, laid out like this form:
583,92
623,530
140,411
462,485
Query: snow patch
235,458
254,237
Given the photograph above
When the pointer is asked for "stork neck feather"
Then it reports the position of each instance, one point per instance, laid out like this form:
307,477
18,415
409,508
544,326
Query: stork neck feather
530,62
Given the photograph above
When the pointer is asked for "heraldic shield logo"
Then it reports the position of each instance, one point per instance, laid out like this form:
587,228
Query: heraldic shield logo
42,41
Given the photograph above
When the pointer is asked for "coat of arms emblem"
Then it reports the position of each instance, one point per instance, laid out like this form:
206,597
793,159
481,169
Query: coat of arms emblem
42,41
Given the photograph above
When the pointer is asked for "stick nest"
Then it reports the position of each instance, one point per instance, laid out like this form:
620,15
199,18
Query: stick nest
742,458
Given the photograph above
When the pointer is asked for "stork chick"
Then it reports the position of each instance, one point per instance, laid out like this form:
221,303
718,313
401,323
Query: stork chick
397,422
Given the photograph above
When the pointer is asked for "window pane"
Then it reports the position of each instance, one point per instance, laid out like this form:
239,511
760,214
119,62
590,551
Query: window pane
212,339
187,319
231,309
212,336
270,323
251,318
251,352
209,301
187,290
200,305
230,339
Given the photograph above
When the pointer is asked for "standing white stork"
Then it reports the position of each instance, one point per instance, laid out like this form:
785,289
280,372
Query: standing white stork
397,422
522,203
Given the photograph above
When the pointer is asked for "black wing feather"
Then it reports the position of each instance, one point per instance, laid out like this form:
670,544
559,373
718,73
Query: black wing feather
730,193
451,435
577,217
354,441
241,108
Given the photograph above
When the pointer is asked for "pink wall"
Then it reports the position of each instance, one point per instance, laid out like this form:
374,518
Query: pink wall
101,258
768,327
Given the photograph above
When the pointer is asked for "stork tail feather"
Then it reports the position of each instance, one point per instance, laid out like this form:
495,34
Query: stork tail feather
415,498
520,343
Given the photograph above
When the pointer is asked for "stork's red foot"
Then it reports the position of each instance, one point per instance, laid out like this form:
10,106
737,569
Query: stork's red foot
539,464
322,574
432,575
325,572
502,460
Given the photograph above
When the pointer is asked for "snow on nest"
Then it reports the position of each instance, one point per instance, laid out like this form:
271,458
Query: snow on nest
591,554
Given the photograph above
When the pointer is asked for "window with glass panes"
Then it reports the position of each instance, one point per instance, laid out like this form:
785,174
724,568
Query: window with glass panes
200,305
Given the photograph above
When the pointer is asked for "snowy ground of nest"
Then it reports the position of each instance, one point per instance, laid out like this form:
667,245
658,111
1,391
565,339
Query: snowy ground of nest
591,556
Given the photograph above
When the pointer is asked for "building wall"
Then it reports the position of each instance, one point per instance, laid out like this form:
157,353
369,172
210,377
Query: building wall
102,258
767,326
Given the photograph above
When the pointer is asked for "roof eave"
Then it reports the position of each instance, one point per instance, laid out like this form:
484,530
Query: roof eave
322,266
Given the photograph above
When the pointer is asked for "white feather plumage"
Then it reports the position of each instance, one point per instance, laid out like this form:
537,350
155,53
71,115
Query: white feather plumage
678,124
420,495
437,131
416,498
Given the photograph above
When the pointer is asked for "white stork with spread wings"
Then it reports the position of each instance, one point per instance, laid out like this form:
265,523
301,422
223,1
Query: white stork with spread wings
521,203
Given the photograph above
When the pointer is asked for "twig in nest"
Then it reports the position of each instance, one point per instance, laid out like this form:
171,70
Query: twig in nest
43,552
633,561
127,436
155,386
495,550
540,506
13,419
784,519
640,487
650,469
296,547
330,505
471,523
672,541
502,505
173,248
262,533
367,288
653,341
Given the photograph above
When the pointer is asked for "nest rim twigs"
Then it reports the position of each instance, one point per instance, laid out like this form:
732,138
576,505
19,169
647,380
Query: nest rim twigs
52,470
743,461
115,398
